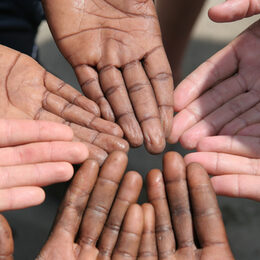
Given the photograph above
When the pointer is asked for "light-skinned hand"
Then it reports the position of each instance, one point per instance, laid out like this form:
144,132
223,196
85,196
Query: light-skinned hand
188,222
28,91
34,154
116,51
98,219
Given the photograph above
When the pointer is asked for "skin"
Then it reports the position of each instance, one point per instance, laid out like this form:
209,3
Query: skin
97,219
120,62
32,158
30,92
221,96
176,34
179,219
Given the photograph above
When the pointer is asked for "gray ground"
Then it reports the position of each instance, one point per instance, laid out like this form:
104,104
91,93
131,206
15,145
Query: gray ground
242,217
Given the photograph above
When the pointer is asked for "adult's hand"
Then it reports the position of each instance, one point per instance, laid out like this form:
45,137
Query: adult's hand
234,161
116,50
27,91
233,10
6,238
91,211
34,154
222,96
176,215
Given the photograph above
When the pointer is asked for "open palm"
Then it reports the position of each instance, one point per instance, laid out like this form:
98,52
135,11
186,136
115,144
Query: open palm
29,92
116,50
223,95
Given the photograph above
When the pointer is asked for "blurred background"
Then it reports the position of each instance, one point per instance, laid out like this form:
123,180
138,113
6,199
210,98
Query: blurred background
241,217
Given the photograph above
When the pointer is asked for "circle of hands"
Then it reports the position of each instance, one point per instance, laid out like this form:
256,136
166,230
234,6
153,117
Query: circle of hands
218,107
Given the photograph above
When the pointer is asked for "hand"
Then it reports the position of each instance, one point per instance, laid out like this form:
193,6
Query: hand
33,154
6,238
174,219
232,10
92,193
221,97
234,161
116,50
29,92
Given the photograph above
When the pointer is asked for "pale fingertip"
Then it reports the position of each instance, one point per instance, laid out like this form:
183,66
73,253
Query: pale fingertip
79,152
64,171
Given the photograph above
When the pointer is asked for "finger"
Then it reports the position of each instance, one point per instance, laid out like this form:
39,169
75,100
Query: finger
220,163
216,69
214,122
148,248
35,174
251,130
159,72
163,226
73,205
233,10
32,131
109,143
145,106
115,91
20,198
237,145
77,115
206,104
128,194
6,240
89,82
71,152
60,88
238,186
130,235
250,117
174,170
102,198
206,213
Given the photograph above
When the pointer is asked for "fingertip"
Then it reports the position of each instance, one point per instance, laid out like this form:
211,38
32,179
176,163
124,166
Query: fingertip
80,152
154,141
196,174
64,171
154,177
134,179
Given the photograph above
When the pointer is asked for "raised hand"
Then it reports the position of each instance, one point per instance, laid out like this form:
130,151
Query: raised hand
176,215
116,50
222,96
34,154
232,10
234,161
95,223
29,92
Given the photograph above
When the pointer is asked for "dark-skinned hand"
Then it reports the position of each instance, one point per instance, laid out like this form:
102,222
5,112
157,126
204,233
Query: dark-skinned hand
28,91
97,219
185,207
116,50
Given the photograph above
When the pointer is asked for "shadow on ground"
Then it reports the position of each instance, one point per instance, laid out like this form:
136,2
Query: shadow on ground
31,226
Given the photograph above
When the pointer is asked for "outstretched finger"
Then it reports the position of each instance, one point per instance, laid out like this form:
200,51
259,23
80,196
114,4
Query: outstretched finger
144,103
221,163
206,213
20,198
114,88
6,240
233,10
102,198
128,194
73,96
238,186
89,82
163,227
174,171
32,131
130,235
73,205
148,248
160,75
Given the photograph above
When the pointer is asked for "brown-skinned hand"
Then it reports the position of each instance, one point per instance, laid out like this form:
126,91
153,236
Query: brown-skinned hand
116,50
97,219
28,91
178,218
